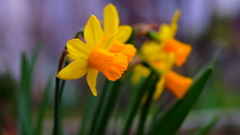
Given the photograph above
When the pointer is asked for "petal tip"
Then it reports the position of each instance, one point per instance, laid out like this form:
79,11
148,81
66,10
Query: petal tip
95,94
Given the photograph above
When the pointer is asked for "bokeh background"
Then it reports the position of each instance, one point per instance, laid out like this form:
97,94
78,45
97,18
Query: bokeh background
204,24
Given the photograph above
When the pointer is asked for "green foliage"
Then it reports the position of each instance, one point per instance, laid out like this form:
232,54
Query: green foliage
42,109
106,108
24,103
177,113
209,126
145,85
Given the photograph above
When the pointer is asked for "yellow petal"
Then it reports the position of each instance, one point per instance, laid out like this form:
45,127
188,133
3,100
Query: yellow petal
73,57
165,32
93,32
174,22
92,80
124,32
159,88
110,20
74,70
150,50
107,44
176,17
77,49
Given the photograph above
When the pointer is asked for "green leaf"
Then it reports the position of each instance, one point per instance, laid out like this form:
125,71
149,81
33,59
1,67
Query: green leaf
153,35
217,54
131,38
42,110
24,111
24,98
209,126
173,118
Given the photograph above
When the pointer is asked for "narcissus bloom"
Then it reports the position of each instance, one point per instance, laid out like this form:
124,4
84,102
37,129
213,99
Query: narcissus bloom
93,56
170,44
169,79
174,82
139,72
110,23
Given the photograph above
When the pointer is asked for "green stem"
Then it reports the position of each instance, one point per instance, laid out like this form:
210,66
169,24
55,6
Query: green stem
107,107
162,104
80,32
63,82
145,108
136,101
99,106
56,129
153,35
56,108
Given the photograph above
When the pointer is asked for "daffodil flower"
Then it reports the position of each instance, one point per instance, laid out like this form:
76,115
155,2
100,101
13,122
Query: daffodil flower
110,23
170,44
163,61
169,79
93,56
139,72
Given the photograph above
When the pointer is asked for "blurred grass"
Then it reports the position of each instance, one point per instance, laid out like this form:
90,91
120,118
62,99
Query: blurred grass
205,130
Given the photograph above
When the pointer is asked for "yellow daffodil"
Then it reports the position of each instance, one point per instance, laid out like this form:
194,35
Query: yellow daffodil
170,44
139,72
93,56
174,82
110,23
163,62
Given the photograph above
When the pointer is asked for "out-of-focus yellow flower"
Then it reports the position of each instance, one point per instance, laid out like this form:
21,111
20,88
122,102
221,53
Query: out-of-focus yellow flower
170,44
174,82
93,56
162,56
110,23
139,72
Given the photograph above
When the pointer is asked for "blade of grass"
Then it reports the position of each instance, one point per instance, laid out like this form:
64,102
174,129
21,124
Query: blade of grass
173,118
24,112
205,130
24,98
42,110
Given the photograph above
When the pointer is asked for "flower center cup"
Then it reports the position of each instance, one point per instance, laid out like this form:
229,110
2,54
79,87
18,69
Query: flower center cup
180,50
127,49
112,65
177,84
